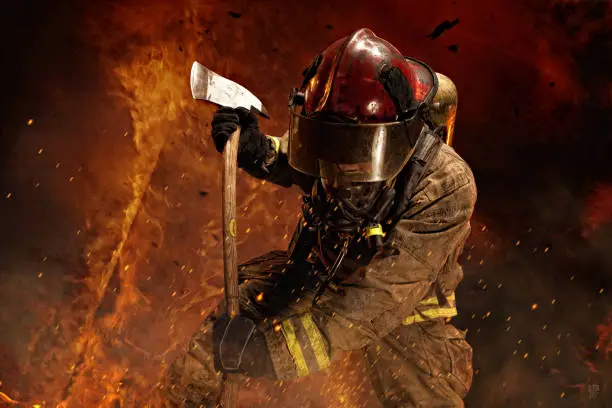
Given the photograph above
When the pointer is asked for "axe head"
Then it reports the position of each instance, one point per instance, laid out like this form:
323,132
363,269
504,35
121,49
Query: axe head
209,86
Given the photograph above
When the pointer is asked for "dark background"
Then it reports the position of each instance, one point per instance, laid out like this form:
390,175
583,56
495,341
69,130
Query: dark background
110,203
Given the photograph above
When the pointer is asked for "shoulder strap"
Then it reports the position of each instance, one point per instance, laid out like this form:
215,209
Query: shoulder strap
427,147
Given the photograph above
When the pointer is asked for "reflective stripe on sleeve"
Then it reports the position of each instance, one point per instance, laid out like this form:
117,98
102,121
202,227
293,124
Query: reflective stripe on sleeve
294,348
306,345
430,313
316,341
434,300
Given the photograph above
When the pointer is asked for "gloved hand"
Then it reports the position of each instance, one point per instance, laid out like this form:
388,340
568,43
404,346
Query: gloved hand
239,347
254,149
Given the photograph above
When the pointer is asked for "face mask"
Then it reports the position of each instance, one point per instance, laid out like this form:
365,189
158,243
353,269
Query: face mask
344,208
354,199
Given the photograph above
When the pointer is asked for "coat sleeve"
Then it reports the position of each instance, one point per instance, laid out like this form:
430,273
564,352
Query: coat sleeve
276,168
389,288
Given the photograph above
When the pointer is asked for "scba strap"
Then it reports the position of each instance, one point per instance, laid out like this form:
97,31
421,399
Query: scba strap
427,147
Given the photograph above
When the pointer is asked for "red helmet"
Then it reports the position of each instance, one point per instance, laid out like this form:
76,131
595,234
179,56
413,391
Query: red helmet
356,116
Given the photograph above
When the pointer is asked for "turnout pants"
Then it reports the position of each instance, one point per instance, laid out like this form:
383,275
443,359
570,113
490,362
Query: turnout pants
422,363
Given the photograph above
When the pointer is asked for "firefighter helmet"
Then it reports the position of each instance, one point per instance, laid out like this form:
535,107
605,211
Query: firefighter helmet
357,115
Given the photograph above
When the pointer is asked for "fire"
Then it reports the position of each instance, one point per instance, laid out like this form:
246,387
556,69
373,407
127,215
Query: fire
597,361
7,399
151,83
152,262
598,208
136,306
604,338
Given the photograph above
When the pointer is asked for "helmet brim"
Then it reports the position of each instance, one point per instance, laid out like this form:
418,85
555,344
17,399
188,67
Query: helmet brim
348,152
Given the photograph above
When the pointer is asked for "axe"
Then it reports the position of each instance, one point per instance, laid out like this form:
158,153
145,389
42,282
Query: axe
212,87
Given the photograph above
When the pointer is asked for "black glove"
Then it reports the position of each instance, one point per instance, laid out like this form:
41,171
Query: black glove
240,348
254,149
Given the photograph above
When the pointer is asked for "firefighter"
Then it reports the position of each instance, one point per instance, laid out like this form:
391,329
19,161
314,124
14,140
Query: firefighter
373,263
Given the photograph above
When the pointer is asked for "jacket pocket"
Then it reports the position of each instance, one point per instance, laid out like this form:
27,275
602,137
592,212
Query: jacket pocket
448,355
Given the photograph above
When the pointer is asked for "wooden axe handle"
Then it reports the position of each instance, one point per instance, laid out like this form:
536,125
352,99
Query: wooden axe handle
229,394
230,226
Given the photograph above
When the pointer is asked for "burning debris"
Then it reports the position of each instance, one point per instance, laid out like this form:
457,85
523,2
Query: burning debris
442,28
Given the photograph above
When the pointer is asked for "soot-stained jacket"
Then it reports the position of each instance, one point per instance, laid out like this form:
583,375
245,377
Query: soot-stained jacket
417,278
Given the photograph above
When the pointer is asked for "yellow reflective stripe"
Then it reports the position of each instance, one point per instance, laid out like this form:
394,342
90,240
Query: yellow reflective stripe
429,301
434,300
316,341
276,142
431,314
434,313
294,348
375,230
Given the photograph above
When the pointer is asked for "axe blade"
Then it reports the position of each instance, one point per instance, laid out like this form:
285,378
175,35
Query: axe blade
209,86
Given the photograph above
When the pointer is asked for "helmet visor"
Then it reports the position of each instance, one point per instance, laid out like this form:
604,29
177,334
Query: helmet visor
346,152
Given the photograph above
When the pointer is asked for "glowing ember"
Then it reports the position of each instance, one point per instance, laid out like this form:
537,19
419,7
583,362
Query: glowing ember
7,399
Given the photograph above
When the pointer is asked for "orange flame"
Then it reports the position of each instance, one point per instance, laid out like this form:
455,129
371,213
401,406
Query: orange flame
604,338
117,337
7,399
598,208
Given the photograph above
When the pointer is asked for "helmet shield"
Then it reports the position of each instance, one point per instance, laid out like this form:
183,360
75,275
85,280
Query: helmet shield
359,111
349,152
